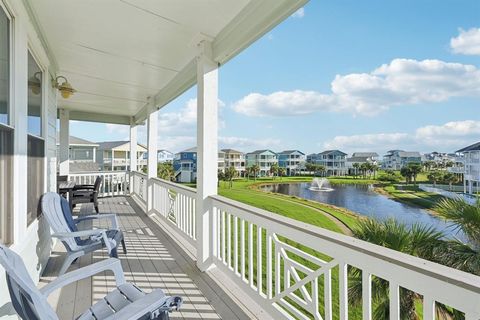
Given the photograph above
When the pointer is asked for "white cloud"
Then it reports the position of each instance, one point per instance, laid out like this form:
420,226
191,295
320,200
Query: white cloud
300,13
447,137
247,144
467,42
401,82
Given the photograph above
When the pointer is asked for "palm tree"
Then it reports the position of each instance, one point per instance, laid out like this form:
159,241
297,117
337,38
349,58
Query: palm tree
274,169
450,179
165,171
255,170
282,172
418,240
434,176
415,169
356,166
406,173
230,174
374,169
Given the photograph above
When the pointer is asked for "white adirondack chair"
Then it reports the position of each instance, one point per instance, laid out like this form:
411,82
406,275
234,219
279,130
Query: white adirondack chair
79,242
126,302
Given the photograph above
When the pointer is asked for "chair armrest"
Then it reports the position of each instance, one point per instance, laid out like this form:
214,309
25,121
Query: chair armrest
112,216
86,233
151,304
86,272
84,187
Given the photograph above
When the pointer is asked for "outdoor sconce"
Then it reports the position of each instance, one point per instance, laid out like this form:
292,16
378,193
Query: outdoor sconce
65,87
35,83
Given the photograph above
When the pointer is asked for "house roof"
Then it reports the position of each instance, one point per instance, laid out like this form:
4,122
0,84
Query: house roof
75,141
358,159
472,147
364,154
108,145
194,149
291,151
116,66
261,151
232,151
332,151
409,154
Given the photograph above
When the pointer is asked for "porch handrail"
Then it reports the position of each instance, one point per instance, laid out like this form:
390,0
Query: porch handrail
457,289
114,183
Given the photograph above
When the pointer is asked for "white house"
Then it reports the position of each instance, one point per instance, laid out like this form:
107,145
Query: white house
471,168
360,158
264,159
115,155
82,155
165,156
126,60
236,159
397,159
292,160
334,161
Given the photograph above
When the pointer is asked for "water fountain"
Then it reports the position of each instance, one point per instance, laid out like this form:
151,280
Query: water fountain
320,184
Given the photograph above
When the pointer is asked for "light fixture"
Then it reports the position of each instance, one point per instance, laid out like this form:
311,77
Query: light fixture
35,83
65,87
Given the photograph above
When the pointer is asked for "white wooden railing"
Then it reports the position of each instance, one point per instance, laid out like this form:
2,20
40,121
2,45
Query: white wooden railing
297,271
114,183
139,187
176,204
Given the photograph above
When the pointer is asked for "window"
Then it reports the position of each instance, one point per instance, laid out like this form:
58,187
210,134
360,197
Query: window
6,134
4,66
34,97
36,145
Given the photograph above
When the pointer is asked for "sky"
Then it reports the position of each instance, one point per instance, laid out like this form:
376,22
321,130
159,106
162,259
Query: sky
352,75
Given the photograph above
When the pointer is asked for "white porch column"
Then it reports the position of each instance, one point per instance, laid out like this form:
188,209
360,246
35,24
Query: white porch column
64,167
207,151
152,132
133,147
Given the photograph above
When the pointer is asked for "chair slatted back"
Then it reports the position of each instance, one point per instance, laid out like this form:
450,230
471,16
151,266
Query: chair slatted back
52,210
27,300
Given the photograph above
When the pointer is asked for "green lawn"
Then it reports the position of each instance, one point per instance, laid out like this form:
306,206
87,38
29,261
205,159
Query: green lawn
413,195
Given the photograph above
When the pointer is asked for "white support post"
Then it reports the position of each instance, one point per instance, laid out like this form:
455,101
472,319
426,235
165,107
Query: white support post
133,147
64,161
207,151
152,124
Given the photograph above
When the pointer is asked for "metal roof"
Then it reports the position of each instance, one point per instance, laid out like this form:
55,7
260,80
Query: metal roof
473,147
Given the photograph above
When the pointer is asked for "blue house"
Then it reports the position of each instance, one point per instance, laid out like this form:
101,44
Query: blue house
292,160
185,165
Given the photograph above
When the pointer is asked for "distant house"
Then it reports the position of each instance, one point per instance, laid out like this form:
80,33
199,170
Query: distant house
440,158
397,159
115,156
471,166
165,156
292,160
264,159
236,159
361,157
82,155
334,161
185,165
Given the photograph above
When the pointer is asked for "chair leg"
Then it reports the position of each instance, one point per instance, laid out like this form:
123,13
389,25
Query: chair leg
96,208
124,246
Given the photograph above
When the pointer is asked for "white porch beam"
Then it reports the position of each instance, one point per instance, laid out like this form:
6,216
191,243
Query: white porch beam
207,151
64,164
152,132
133,147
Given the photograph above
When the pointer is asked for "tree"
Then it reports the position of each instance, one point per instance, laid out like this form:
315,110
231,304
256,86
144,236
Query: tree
321,169
374,168
255,170
407,174
415,169
429,165
274,169
418,240
165,171
220,177
434,176
230,174
356,167
449,178
282,172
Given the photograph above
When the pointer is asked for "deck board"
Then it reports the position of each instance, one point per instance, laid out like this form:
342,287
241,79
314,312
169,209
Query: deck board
153,261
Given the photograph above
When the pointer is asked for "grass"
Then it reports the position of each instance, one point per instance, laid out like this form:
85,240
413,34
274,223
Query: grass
413,195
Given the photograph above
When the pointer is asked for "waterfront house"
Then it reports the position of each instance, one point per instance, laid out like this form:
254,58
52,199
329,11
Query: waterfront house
471,167
165,156
360,158
292,160
334,161
82,155
185,165
397,159
236,159
126,60
264,159
115,155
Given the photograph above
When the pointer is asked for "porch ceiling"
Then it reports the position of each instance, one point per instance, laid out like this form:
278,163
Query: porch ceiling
117,53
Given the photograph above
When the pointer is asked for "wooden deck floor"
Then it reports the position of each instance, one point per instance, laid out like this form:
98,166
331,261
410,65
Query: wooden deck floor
153,261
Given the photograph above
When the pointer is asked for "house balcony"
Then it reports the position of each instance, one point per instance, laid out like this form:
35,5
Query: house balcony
261,265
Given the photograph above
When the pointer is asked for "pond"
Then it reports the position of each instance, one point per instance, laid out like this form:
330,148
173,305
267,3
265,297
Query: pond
363,200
